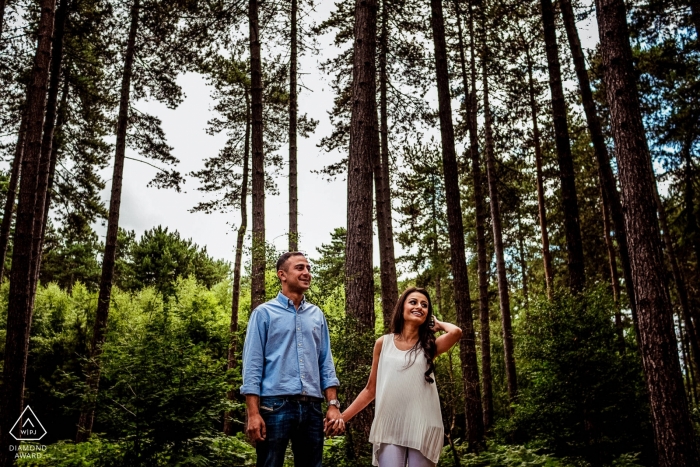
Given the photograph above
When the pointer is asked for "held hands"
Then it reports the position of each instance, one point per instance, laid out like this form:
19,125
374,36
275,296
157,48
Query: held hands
334,424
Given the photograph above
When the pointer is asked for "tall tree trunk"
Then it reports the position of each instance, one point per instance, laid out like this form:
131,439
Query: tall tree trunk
523,263
364,144
503,293
470,372
382,185
47,164
675,443
692,230
12,194
574,245
687,312
541,206
3,3
236,285
469,84
600,150
258,253
99,330
19,312
293,108
612,264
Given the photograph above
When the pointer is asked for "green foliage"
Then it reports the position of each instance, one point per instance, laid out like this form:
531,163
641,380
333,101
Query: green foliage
216,451
160,257
504,455
581,397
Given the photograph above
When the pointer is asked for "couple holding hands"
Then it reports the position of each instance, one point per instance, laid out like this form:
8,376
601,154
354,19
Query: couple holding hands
288,367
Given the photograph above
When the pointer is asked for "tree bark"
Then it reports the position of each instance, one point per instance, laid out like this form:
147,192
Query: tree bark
258,253
47,164
19,312
229,428
12,194
469,85
382,186
541,206
470,372
503,293
359,283
600,150
675,444
108,261
293,108
572,228
364,146
693,233
687,311
612,263
3,3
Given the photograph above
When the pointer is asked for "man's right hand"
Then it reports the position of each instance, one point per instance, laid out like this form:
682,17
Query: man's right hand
255,428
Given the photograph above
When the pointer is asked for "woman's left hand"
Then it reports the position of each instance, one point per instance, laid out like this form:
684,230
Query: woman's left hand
437,326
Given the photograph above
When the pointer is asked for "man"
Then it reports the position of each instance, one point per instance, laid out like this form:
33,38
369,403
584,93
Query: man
287,366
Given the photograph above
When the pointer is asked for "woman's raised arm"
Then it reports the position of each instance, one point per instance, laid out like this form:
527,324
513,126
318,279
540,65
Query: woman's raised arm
452,335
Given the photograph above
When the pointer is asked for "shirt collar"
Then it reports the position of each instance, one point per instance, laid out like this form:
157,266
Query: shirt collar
287,302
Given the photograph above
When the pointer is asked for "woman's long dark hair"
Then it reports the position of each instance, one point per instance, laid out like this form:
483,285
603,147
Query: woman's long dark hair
426,337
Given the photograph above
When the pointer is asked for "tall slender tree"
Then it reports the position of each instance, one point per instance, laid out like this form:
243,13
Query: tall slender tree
572,228
19,311
364,144
258,159
293,108
47,161
9,208
470,372
382,180
607,179
503,292
471,106
541,204
236,286
99,332
673,431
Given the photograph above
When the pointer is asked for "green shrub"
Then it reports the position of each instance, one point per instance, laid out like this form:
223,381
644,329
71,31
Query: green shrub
580,397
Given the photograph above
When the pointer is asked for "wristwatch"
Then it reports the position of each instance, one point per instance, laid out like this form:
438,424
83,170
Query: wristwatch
335,403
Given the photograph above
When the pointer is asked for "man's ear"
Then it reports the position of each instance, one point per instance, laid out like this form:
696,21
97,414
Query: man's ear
281,274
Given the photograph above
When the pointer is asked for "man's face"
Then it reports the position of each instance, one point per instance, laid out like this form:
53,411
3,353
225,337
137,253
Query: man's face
296,274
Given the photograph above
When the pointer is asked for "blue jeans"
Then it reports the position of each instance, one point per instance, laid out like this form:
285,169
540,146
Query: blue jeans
286,419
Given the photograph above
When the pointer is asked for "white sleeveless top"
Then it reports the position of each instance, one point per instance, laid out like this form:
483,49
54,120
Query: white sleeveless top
407,408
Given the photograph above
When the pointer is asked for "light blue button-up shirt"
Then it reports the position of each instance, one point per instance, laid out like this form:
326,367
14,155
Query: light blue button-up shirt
287,351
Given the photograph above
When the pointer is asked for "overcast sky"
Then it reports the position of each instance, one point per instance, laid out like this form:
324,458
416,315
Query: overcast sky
322,204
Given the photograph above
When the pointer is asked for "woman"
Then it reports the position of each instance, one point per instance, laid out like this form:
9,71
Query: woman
407,426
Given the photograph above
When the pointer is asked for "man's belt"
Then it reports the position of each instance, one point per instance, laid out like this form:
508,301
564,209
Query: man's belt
300,398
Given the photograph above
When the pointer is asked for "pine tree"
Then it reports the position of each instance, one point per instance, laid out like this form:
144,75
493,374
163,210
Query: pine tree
670,418
19,315
574,247
470,372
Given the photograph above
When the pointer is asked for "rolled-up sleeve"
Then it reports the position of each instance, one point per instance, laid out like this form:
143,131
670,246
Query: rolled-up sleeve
325,361
253,353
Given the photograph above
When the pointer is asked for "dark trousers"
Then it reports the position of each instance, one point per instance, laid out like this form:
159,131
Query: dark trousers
290,420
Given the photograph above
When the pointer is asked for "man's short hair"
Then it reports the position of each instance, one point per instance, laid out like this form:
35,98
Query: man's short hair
283,259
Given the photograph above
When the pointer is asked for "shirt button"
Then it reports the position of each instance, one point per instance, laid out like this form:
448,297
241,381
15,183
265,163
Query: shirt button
298,329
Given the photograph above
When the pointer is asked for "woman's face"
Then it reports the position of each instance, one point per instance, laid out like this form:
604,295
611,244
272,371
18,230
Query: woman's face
415,308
